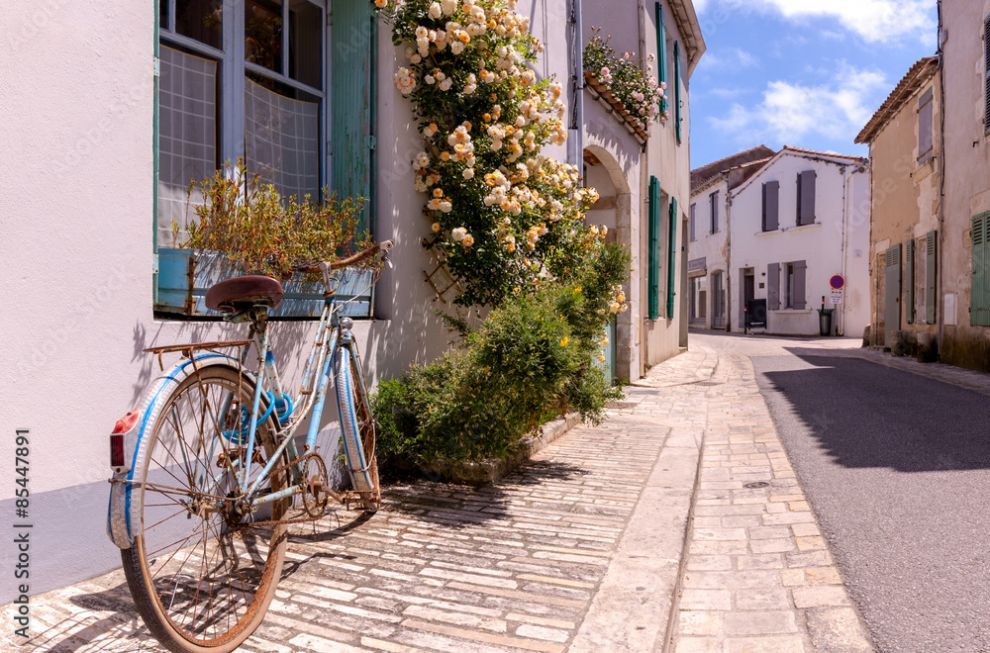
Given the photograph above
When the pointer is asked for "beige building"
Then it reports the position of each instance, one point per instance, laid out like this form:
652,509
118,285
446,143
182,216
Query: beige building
906,155
930,151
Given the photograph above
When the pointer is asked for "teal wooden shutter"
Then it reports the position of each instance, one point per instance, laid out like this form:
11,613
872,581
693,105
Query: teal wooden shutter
677,90
671,252
653,269
931,269
661,50
980,301
909,275
352,94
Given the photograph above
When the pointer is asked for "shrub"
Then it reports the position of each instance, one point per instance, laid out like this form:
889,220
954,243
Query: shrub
531,359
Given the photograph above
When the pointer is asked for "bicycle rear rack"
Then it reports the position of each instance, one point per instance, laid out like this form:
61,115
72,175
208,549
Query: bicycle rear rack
187,349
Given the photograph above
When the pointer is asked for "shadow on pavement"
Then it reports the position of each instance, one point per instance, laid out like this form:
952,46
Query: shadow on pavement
867,415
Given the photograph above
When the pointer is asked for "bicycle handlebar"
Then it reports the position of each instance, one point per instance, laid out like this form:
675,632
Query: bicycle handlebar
354,259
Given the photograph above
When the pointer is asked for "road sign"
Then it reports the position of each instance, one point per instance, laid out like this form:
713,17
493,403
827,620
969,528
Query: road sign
836,297
837,282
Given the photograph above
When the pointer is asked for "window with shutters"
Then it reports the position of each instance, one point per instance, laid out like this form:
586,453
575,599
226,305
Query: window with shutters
691,222
251,81
910,275
673,219
795,282
980,293
925,127
713,206
773,286
653,253
806,182
931,269
661,30
771,205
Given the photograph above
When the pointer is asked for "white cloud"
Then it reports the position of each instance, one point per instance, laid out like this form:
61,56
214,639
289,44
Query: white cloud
789,113
731,58
876,21
700,5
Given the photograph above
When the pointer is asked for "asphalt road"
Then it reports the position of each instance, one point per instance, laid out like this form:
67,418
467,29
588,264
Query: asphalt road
897,467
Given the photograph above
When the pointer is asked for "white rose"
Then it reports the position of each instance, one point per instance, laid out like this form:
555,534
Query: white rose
468,173
449,7
435,11
458,233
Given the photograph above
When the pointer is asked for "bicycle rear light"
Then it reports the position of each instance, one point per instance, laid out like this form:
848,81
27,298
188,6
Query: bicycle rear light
124,425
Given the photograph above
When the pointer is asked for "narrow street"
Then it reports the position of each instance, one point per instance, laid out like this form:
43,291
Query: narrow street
895,460
817,491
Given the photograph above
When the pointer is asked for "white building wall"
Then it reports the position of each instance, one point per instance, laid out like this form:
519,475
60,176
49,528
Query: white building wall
712,247
837,243
76,254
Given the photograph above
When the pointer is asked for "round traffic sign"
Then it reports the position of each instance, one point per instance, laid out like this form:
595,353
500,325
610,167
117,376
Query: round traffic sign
837,282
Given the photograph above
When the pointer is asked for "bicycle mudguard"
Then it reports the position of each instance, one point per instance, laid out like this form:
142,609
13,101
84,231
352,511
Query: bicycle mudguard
124,510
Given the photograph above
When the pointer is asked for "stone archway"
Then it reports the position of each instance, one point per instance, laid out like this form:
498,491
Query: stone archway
614,210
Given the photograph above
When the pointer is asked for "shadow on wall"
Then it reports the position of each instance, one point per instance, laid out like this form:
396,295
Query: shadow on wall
868,415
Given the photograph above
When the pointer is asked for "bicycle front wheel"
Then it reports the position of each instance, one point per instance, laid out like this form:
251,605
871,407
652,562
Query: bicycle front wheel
357,425
203,567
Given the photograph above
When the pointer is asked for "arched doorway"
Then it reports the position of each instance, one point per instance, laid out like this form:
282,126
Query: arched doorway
614,210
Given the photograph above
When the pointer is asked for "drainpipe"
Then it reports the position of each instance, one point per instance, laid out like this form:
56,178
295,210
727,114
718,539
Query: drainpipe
940,254
728,261
847,197
575,143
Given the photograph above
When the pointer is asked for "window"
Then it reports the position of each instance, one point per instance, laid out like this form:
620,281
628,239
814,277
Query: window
255,93
661,49
806,197
980,303
795,275
251,81
713,205
653,269
925,145
691,221
771,205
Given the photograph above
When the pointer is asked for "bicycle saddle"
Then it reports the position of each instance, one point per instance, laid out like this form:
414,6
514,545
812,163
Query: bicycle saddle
240,293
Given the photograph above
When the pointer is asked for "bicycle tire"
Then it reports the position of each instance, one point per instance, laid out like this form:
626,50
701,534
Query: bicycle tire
167,626
357,427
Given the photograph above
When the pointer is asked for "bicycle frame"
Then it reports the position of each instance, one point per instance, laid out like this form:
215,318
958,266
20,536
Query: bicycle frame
332,332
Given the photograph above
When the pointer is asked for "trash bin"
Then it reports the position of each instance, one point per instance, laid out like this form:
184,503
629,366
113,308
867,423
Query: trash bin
825,321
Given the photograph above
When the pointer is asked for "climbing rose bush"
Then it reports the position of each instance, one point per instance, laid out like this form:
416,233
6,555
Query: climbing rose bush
635,87
505,217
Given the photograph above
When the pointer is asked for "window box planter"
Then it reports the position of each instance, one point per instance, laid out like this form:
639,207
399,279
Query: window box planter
185,275
614,106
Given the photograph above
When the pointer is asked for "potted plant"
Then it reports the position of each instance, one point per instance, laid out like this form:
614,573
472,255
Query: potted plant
246,226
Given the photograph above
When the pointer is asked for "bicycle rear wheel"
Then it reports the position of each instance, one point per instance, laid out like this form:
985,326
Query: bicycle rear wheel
357,425
201,570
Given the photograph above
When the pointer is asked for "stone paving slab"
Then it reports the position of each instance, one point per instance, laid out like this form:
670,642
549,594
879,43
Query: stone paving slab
758,574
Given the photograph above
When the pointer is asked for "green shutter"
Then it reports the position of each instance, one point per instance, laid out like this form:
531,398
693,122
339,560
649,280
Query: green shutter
931,269
653,269
671,253
661,50
909,274
352,39
677,90
980,300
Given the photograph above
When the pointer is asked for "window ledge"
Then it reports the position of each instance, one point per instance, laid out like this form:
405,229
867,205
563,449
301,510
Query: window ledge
793,311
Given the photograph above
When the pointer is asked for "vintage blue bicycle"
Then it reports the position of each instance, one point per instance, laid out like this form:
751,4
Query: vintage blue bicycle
208,473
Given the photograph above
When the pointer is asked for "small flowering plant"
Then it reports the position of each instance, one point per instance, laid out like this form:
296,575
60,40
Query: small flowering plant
506,218
635,87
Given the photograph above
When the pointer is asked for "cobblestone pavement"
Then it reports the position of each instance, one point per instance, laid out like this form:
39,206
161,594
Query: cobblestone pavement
580,550
758,574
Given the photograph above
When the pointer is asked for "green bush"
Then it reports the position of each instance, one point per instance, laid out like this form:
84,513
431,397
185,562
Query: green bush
530,360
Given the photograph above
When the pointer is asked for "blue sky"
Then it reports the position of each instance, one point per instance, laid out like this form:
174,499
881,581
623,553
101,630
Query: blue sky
808,73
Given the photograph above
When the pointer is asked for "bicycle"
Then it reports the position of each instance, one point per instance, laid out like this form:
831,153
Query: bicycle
207,474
